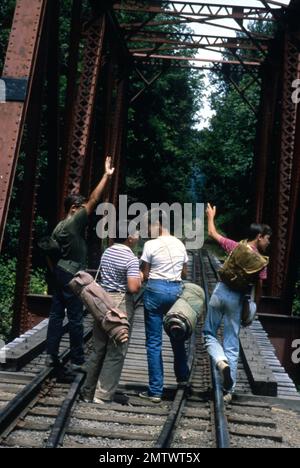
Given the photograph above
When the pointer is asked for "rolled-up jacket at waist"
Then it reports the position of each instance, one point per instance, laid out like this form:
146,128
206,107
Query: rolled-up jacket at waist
101,305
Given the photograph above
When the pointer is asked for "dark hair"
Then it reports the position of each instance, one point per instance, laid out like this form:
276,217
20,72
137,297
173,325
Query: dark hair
157,215
122,227
256,229
73,199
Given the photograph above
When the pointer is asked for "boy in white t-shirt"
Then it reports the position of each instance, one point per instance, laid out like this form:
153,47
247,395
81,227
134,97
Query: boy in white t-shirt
164,265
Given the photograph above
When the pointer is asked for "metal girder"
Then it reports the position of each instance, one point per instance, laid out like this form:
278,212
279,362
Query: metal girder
178,21
147,84
282,216
198,44
70,101
21,317
264,136
252,39
197,38
197,10
118,134
20,62
174,64
241,93
293,248
195,59
84,108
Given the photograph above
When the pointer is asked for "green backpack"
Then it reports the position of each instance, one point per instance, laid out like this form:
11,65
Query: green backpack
241,269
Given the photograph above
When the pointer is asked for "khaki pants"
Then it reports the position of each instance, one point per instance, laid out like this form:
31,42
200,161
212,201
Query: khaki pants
105,364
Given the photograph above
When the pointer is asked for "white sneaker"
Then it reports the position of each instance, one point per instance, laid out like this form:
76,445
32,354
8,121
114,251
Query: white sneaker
98,401
153,398
227,398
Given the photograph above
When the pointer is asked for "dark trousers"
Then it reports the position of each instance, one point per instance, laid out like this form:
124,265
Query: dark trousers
65,301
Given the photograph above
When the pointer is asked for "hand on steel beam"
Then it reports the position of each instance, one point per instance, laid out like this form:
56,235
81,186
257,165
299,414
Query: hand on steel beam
108,169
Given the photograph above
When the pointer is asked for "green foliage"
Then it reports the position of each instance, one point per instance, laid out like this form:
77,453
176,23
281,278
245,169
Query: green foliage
38,284
6,16
224,156
223,164
296,303
7,288
161,144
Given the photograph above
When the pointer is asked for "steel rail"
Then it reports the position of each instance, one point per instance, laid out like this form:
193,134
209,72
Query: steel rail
11,413
167,432
60,425
221,425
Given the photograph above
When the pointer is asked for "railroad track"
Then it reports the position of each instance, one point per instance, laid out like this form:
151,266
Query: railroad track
191,416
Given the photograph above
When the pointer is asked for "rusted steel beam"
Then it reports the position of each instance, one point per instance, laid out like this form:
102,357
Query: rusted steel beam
72,74
293,247
195,59
264,145
118,135
53,115
255,42
190,5
197,10
22,320
84,108
217,67
197,38
148,85
179,21
282,216
195,44
239,90
20,62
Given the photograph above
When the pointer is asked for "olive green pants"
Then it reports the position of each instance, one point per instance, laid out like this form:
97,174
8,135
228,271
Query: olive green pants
105,364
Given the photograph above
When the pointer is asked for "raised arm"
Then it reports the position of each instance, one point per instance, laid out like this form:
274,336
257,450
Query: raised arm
97,193
212,231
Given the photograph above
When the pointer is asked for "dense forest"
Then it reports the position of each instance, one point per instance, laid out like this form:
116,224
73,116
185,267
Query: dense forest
169,157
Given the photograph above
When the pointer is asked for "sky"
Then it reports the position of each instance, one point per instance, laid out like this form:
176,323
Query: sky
206,111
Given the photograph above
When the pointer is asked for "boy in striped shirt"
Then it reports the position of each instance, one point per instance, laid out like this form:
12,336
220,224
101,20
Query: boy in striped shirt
120,276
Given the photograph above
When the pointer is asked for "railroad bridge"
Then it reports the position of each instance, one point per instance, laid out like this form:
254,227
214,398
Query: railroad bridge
105,54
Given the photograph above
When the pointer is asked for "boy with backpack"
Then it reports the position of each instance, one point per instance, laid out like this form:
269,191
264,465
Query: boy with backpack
245,267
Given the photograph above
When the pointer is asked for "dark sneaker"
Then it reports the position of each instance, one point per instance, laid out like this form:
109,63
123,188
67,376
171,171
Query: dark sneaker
77,368
52,361
121,398
226,375
84,399
153,398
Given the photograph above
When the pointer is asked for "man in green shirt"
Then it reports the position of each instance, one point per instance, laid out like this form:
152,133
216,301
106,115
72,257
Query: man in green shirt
69,234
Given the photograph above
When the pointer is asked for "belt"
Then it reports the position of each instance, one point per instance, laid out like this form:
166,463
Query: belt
114,291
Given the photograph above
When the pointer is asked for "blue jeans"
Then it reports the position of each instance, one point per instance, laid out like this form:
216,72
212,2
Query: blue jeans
159,297
225,305
64,299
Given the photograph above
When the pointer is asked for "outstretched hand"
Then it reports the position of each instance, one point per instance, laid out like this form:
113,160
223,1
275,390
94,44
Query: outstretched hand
211,211
108,169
